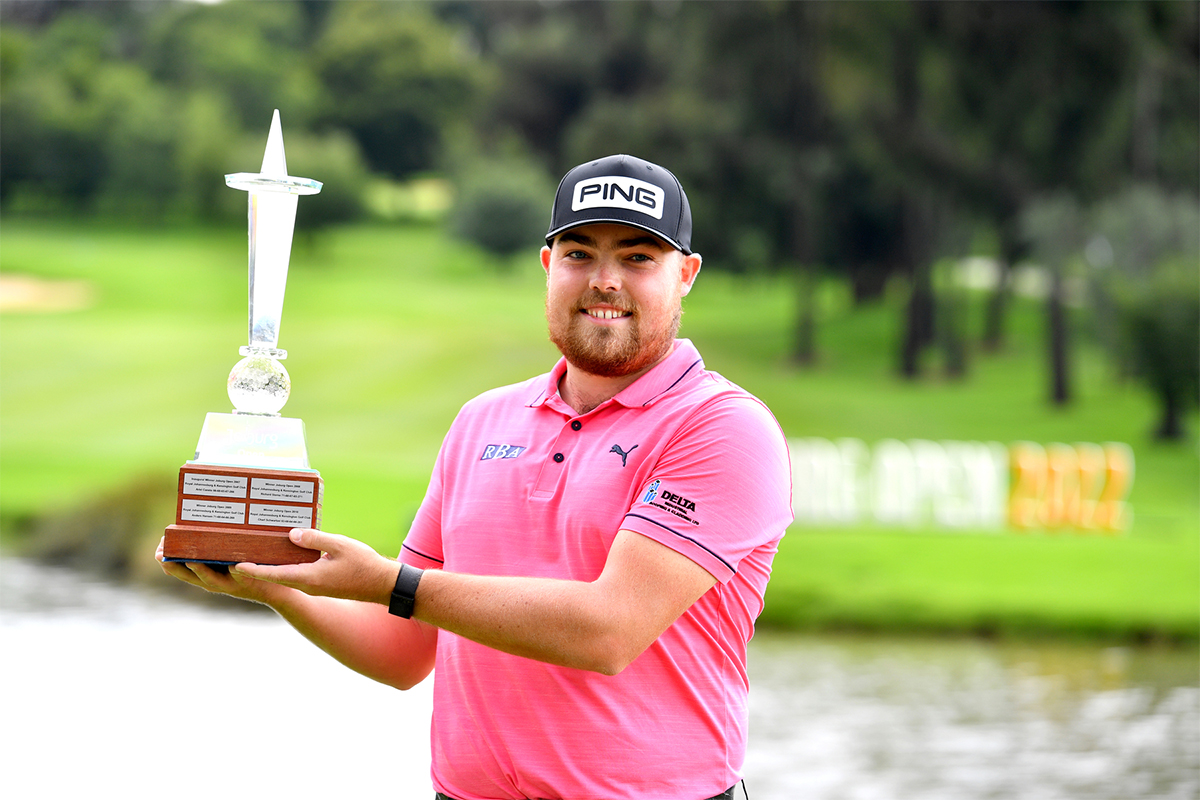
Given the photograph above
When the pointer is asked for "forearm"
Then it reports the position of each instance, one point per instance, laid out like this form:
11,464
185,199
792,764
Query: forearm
601,625
358,632
559,622
364,637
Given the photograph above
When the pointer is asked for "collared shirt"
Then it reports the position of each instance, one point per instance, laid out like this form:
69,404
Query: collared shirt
524,486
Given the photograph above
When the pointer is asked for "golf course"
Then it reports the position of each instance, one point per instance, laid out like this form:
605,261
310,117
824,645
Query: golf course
117,340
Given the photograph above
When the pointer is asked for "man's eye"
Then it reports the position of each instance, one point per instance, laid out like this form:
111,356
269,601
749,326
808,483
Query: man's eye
576,254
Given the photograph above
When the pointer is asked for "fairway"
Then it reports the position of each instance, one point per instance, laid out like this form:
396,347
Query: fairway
390,330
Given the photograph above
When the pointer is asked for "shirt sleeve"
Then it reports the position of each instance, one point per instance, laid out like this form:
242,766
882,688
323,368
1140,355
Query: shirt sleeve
422,546
721,488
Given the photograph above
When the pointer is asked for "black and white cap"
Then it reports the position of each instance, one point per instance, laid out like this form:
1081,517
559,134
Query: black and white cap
626,190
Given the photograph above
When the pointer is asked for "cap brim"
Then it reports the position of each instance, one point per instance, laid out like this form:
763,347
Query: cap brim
615,221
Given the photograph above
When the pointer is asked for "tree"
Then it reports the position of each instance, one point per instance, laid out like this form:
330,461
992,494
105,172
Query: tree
502,206
1000,103
1055,228
763,63
251,54
1144,256
397,79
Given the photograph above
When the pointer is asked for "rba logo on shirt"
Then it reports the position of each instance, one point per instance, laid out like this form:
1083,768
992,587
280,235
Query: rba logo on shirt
612,191
501,451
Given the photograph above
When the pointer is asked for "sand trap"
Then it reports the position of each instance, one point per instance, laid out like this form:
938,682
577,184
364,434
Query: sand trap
31,295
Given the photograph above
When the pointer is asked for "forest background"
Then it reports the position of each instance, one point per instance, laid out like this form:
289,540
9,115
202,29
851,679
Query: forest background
920,221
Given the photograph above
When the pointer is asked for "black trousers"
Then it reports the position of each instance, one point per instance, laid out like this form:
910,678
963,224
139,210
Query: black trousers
725,795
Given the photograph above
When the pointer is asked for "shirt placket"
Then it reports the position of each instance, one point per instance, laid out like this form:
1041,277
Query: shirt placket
558,460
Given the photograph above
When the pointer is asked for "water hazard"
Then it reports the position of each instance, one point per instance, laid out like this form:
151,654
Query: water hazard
107,689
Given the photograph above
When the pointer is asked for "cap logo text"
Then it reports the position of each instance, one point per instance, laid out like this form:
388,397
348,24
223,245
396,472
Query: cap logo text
613,191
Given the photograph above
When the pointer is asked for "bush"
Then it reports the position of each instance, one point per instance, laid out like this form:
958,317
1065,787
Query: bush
503,207
1160,322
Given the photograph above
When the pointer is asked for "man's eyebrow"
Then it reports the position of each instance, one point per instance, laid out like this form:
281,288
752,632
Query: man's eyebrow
645,241
577,238
635,241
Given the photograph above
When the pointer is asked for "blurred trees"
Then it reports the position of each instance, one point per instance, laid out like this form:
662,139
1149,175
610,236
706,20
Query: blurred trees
395,77
140,108
874,143
1145,261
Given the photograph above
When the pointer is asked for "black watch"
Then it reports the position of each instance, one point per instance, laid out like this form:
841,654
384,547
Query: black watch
405,593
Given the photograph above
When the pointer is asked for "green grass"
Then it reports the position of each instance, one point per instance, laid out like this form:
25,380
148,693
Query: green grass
390,330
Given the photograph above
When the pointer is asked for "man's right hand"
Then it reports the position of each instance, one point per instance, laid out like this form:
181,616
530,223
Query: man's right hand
234,584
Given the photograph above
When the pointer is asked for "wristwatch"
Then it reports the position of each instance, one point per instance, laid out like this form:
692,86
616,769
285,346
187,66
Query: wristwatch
404,595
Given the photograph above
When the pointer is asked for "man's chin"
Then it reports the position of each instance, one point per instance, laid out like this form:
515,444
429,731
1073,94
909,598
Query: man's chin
615,362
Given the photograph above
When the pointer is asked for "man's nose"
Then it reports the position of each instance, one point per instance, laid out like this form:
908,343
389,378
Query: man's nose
606,277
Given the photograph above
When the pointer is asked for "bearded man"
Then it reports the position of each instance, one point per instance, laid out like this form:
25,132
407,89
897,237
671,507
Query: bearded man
586,567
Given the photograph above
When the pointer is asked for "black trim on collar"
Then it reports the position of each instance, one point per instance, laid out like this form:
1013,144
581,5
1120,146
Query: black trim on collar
676,383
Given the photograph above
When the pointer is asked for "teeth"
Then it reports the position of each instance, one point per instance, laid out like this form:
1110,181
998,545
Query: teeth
605,313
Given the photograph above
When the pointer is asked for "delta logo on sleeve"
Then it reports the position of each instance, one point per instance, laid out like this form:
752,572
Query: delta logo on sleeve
613,191
658,497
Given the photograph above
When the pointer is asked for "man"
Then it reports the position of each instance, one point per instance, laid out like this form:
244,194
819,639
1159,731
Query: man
593,548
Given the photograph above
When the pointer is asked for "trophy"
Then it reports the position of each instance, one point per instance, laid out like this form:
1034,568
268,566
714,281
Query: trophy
250,481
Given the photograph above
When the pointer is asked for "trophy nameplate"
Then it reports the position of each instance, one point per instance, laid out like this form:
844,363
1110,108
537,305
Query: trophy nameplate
250,482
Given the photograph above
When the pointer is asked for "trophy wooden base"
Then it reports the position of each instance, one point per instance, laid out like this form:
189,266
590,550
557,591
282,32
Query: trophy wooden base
228,515
225,546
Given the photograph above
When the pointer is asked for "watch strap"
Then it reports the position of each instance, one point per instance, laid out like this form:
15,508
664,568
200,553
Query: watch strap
404,595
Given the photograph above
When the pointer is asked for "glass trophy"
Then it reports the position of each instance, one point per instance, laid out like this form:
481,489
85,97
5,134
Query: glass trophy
250,481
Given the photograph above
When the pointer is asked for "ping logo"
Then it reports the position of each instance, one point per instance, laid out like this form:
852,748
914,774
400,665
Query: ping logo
612,191
501,451
651,492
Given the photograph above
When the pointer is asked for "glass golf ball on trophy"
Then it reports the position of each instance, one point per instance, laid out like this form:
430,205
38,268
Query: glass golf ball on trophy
250,482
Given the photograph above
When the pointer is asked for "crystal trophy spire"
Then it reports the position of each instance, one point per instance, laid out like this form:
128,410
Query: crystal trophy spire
259,384
250,481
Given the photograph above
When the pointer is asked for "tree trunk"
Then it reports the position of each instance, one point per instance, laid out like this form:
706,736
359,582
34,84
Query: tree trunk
996,310
1011,250
805,343
1170,426
1058,342
919,326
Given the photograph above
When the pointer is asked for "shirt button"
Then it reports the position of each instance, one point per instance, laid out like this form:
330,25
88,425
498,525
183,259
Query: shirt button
576,424
558,457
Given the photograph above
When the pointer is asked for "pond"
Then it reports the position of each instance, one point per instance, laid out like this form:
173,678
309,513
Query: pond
110,689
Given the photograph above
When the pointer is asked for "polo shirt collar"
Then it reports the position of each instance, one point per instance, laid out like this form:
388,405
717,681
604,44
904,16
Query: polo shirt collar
675,370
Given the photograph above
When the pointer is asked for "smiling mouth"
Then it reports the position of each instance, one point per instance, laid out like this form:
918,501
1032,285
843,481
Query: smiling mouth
606,313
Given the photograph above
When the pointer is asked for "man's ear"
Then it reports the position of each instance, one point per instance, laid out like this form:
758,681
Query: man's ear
546,259
688,272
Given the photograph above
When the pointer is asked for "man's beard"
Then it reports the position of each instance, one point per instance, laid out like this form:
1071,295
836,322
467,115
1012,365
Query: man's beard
610,352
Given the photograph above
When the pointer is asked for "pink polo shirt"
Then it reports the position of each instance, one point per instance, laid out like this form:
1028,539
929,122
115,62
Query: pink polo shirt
524,486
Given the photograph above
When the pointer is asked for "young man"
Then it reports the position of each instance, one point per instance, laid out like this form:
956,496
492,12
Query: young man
594,545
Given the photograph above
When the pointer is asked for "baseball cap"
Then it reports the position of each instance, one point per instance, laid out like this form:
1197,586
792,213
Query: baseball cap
626,190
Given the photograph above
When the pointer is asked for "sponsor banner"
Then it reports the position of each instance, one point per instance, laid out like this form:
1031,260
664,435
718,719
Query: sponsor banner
963,485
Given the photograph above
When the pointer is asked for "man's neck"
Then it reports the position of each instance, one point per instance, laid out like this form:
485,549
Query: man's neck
584,391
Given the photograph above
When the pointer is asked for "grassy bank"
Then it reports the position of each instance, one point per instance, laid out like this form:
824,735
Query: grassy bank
390,330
